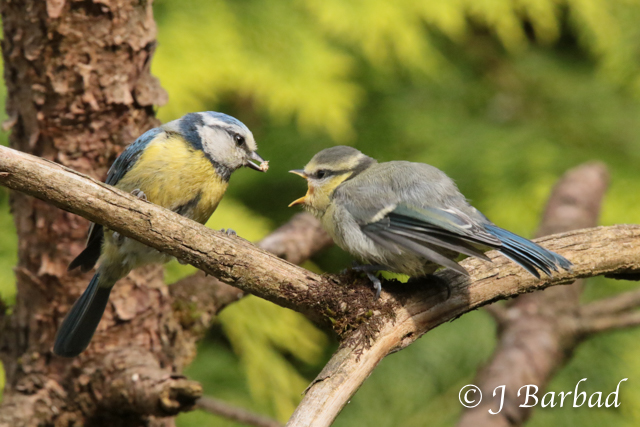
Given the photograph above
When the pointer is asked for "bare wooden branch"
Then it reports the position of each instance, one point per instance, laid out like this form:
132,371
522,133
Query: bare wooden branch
612,305
592,325
295,241
370,328
256,272
198,298
236,261
224,409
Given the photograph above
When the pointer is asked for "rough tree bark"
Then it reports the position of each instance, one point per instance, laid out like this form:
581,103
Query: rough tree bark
79,90
369,329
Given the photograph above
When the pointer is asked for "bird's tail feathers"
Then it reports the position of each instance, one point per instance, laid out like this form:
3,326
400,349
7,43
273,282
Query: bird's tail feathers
87,258
527,254
78,327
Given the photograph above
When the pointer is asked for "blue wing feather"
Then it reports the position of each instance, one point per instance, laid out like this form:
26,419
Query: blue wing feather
427,231
527,253
130,156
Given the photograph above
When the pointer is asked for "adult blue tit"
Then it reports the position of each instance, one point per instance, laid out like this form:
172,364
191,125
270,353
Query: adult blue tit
406,217
184,166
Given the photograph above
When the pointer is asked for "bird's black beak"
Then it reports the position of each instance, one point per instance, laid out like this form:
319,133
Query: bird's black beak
261,167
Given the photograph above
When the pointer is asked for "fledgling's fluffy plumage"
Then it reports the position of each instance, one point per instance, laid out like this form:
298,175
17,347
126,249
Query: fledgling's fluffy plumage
407,217
184,166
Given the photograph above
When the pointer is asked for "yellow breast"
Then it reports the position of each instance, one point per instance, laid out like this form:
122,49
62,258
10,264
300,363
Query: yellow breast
173,174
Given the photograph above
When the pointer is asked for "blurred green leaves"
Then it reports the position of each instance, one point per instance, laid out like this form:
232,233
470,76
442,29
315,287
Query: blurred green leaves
261,333
299,59
265,51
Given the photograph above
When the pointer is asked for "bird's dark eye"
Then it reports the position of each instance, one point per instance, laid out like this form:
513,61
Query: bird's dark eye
321,174
239,140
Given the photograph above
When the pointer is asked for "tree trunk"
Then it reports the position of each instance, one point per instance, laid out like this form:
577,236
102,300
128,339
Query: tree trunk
80,90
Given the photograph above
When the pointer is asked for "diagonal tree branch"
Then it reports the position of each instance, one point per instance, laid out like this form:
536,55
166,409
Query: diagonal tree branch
603,323
295,241
198,298
613,305
370,328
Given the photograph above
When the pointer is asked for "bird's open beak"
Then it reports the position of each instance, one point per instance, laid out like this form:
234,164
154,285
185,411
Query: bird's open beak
299,172
301,200
263,165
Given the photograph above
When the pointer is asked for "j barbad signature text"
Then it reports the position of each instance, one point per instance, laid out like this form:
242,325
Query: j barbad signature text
470,396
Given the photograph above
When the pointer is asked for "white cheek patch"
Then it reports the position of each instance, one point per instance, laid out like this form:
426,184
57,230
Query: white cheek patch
212,142
207,133
212,121
219,147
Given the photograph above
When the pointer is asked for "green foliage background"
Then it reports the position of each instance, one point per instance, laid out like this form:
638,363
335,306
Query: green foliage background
503,95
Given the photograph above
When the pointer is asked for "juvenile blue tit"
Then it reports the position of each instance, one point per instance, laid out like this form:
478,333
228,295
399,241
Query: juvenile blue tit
184,166
405,217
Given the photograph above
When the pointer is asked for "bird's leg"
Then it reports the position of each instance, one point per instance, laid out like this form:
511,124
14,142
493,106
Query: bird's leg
377,285
369,270
229,232
140,194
